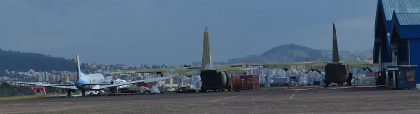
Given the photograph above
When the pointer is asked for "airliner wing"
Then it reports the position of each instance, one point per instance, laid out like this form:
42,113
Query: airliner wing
63,86
137,81
157,79
42,84
97,84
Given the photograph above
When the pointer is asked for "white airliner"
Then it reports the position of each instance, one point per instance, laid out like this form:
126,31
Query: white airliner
85,82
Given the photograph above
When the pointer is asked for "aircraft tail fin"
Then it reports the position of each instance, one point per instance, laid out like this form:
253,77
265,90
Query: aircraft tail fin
335,56
206,63
78,66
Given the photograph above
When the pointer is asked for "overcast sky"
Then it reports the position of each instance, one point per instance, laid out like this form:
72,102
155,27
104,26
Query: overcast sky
170,32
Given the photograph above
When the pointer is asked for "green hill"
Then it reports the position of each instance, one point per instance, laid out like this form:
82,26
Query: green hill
297,53
22,61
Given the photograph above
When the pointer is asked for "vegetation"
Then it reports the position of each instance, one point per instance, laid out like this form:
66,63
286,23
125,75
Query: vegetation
9,90
22,61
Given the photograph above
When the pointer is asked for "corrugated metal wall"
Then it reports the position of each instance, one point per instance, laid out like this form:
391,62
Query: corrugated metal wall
415,56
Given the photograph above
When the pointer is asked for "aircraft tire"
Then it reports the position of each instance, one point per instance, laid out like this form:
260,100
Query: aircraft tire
83,93
327,84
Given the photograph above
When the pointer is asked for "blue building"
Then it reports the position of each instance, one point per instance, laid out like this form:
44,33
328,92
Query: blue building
397,34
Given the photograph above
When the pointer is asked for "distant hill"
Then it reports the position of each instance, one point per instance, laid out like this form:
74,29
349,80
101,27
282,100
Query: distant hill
297,53
22,61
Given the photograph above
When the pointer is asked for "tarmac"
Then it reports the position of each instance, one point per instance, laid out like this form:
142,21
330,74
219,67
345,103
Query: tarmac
341,100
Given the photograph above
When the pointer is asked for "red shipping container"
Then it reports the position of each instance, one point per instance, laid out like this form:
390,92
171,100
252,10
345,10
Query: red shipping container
245,82
149,84
236,82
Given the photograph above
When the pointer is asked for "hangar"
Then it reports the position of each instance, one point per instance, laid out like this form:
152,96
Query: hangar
397,34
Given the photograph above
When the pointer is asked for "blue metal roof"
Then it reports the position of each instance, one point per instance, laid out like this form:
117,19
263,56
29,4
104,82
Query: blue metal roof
407,25
400,6
408,18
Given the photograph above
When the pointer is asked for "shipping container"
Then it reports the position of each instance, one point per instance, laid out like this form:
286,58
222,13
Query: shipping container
245,82
149,84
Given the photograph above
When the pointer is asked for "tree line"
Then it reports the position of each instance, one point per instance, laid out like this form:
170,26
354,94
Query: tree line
23,61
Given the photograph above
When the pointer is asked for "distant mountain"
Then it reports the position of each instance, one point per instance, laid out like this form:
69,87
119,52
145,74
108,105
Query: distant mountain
297,53
22,61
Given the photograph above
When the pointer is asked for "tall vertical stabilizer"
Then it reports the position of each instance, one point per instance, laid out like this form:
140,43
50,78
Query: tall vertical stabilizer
211,79
335,56
78,66
336,72
206,63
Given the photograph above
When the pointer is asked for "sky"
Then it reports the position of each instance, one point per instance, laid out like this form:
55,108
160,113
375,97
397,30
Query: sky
170,32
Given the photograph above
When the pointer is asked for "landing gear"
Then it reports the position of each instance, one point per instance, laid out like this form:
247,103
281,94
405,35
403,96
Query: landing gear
83,93
113,90
339,84
68,92
327,84
293,82
348,81
228,89
203,90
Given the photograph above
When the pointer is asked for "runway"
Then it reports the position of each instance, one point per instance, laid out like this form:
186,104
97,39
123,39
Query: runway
265,100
